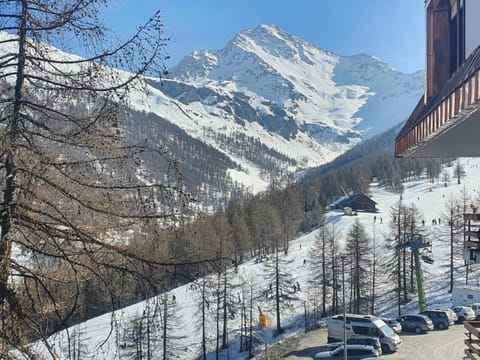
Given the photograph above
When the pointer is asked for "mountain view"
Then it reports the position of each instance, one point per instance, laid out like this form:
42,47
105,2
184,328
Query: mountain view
301,104
223,208
303,264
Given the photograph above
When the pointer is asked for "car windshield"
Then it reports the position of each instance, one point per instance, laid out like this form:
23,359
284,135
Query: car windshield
387,330
337,351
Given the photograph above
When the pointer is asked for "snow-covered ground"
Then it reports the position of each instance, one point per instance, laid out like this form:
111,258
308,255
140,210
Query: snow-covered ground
100,339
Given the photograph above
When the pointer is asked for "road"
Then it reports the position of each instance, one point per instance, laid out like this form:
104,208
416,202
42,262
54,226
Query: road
436,345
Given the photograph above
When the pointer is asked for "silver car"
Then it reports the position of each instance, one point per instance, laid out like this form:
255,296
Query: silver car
394,324
359,340
464,313
354,352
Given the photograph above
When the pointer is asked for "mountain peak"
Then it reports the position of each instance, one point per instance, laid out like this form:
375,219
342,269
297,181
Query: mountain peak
272,40
262,44
265,30
297,90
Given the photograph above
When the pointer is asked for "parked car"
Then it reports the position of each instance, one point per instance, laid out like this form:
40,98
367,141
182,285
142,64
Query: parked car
417,323
440,318
464,313
354,352
476,307
394,324
363,325
451,314
360,340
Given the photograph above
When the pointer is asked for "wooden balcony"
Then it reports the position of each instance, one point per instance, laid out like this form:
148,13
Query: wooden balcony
472,350
448,125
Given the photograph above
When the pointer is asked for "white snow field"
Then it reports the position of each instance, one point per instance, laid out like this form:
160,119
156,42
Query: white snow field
100,339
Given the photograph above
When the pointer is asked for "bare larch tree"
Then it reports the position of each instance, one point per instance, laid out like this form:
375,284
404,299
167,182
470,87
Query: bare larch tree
75,189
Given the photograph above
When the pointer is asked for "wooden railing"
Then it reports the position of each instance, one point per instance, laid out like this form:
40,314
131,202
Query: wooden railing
459,100
472,350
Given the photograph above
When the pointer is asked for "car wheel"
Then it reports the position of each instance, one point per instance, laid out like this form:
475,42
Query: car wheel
461,319
418,330
442,326
385,348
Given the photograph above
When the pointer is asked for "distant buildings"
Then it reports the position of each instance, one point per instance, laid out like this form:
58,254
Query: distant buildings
446,120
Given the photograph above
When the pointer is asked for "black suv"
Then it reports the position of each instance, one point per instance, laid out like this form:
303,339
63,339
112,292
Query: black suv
439,318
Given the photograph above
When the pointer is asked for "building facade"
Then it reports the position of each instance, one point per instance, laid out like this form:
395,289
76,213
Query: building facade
446,120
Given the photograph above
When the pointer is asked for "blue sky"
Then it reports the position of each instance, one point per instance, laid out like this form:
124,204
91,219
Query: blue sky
392,30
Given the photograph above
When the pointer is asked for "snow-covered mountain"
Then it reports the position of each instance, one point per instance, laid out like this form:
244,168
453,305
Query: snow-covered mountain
311,101
301,101
266,105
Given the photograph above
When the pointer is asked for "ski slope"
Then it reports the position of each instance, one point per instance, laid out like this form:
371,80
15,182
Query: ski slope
102,337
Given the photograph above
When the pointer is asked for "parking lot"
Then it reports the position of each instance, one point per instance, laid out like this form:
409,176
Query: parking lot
436,345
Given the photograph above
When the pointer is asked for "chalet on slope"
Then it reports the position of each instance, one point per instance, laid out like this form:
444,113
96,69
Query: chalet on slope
446,121
359,202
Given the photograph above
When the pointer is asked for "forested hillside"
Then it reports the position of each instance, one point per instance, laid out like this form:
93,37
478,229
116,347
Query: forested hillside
370,160
296,285
262,225
121,180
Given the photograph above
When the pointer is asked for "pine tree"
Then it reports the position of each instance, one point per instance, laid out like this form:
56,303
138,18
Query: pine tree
394,265
451,230
322,267
281,285
171,324
203,302
358,250
414,227
459,171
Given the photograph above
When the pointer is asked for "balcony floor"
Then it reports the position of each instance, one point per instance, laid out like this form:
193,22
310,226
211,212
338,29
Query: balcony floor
460,137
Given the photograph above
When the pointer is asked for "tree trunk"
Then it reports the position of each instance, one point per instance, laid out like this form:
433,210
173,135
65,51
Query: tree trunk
204,336
217,321
277,292
10,167
324,275
250,330
165,327
225,310
374,264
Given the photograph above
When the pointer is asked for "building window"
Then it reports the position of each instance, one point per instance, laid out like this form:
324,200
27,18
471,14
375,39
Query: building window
457,35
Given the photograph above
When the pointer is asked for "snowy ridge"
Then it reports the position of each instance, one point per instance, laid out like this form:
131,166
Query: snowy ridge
422,193
296,98
308,104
